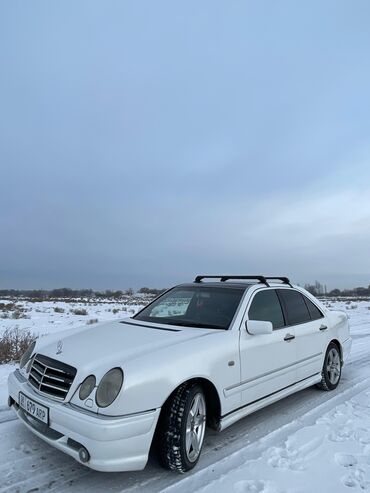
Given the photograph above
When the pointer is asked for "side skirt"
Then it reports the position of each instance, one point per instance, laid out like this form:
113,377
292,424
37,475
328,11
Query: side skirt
240,413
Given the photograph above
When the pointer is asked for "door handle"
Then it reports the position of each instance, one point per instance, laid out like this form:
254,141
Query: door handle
289,337
323,327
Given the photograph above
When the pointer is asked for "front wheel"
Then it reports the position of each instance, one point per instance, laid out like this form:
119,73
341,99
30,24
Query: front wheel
182,428
332,368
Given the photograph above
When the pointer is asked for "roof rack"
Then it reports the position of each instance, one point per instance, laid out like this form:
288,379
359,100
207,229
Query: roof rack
262,279
284,280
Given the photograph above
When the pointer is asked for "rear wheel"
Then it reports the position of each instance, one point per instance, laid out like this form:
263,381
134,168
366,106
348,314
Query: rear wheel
182,428
332,368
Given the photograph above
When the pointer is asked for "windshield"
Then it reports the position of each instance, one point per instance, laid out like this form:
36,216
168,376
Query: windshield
194,306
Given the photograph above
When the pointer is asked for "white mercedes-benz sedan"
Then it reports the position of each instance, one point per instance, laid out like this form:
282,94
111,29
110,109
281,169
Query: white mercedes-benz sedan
202,354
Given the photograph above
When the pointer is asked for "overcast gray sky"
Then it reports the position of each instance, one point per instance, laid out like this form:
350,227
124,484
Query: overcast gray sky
144,142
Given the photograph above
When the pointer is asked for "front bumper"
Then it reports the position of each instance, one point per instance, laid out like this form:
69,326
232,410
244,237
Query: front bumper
114,443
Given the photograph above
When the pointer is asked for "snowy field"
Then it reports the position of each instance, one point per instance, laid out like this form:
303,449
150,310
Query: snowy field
48,317
310,442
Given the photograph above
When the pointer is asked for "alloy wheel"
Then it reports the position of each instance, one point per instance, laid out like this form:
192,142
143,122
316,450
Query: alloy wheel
195,427
333,366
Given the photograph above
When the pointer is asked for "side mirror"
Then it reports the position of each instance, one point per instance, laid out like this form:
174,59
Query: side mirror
256,327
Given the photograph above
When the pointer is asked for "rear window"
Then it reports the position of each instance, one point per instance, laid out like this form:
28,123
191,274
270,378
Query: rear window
295,306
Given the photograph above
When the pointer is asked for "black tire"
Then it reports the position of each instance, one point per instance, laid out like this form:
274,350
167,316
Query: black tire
326,382
171,435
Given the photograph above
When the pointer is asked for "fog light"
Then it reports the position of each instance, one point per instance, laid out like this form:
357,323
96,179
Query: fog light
84,455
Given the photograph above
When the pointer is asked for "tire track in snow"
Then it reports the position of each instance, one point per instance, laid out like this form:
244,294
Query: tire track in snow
7,416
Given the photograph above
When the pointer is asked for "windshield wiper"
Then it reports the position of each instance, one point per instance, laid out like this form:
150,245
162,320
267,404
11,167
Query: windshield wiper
195,324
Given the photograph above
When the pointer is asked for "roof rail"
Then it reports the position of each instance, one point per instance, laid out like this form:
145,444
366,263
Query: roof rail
261,279
284,280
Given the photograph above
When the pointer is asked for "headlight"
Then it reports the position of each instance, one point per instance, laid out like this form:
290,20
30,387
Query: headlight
30,363
27,354
87,387
109,387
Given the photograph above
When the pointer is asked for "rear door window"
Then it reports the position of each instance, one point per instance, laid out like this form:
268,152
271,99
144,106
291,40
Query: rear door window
295,306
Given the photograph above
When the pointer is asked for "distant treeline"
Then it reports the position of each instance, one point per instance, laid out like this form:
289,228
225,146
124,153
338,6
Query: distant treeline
361,291
44,294
76,293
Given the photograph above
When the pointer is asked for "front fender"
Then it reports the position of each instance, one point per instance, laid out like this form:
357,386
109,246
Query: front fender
150,379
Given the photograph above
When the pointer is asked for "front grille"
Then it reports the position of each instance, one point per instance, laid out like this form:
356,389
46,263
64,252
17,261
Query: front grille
51,377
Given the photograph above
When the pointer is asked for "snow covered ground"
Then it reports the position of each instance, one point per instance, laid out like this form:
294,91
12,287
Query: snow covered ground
312,441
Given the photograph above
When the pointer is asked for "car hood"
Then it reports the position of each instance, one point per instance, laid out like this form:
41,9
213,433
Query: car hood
114,343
